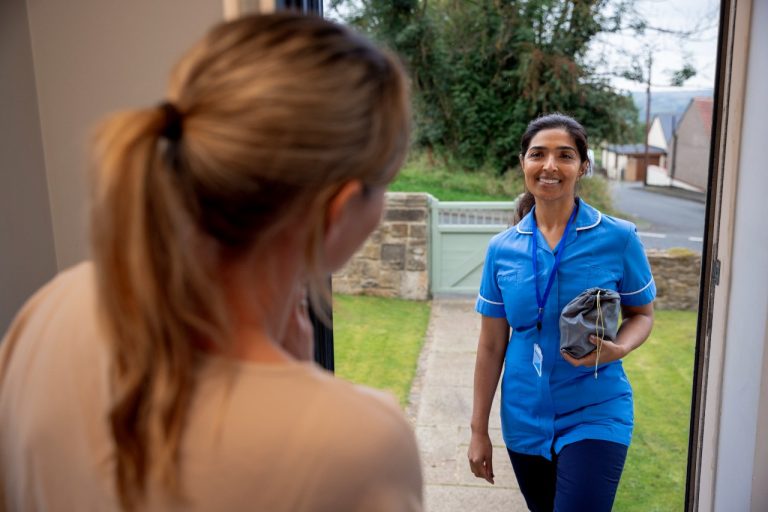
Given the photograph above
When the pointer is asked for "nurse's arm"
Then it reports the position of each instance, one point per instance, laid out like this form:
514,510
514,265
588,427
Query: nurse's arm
634,330
491,347
635,327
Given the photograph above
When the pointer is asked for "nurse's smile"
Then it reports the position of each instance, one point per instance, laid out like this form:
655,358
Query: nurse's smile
552,166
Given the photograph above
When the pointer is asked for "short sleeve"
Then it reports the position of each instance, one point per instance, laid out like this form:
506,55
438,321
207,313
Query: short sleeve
489,300
637,287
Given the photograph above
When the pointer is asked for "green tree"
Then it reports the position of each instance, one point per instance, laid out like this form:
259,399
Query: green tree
482,69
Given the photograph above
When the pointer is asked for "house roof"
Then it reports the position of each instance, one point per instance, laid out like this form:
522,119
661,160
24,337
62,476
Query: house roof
704,107
669,122
634,149
700,109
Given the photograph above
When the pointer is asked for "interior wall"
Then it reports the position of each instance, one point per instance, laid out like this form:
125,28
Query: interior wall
27,258
92,57
760,472
742,402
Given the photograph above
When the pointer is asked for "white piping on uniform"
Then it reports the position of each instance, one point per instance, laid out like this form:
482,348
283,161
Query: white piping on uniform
599,218
640,290
490,301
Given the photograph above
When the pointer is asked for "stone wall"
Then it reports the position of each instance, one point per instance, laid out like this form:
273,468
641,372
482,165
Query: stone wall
677,275
393,261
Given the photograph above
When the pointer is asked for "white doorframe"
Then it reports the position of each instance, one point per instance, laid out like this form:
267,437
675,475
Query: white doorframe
731,365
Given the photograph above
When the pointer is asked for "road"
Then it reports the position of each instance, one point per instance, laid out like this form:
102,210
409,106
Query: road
662,221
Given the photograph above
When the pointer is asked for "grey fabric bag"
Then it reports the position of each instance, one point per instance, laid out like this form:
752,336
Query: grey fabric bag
581,318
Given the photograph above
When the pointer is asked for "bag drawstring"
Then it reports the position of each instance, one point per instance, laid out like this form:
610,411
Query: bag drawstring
599,325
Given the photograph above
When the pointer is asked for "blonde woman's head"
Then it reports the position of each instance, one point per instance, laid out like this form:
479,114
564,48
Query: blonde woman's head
275,110
269,119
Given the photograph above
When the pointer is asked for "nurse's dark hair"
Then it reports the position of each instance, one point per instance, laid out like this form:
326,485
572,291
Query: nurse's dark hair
555,120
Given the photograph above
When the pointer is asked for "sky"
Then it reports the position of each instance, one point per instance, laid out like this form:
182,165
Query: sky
669,52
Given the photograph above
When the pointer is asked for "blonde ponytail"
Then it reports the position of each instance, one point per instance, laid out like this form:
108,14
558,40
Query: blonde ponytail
157,297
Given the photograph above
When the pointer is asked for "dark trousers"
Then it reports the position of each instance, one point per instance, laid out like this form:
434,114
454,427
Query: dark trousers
583,477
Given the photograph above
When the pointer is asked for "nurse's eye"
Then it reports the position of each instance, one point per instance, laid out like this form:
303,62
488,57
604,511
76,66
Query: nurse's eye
567,156
534,154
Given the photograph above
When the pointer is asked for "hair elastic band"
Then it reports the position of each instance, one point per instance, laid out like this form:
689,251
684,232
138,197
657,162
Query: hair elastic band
172,129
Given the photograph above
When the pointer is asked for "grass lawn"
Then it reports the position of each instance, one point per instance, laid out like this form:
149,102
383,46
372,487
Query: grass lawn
377,341
450,183
455,184
661,374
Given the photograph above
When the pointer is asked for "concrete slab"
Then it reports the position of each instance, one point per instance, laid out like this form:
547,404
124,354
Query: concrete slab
456,325
457,498
451,369
451,405
441,411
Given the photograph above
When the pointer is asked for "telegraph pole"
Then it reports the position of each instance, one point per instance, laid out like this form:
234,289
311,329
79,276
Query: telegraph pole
647,114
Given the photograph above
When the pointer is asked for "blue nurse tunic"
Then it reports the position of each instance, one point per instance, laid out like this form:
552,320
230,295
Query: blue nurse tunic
565,404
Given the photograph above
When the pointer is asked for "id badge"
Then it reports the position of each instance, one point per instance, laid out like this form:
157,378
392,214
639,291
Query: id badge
537,358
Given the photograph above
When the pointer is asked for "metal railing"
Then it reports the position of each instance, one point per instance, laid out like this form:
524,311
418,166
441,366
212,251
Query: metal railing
452,213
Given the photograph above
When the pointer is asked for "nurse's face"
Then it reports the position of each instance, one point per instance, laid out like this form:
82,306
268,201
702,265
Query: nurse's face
552,166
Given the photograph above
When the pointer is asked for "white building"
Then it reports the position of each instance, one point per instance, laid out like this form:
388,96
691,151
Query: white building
661,135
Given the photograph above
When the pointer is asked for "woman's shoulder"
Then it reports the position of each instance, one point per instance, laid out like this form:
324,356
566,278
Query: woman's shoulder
350,443
367,420
378,441
303,389
367,406
61,306
76,281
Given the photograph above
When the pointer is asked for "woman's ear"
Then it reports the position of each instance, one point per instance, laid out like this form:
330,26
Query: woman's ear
339,203
351,215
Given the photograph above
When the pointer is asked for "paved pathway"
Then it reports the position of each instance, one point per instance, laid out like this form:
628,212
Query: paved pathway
442,407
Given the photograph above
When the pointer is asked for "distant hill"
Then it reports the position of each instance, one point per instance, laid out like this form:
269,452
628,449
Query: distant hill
667,101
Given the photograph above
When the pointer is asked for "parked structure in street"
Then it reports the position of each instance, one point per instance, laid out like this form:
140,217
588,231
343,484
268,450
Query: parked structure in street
627,161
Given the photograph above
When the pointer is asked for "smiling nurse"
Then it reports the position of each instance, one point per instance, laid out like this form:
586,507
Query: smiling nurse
566,424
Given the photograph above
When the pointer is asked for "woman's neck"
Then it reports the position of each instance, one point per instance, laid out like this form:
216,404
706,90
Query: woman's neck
553,216
257,292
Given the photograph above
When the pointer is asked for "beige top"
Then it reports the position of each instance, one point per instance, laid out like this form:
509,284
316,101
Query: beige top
278,438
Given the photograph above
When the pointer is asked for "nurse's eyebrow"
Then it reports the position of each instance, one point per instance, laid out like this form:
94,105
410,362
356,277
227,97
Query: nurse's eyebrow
558,147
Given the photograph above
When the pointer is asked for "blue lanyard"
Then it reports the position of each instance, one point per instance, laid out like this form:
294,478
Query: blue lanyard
559,250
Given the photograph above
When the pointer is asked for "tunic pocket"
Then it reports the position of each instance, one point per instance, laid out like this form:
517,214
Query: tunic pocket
519,297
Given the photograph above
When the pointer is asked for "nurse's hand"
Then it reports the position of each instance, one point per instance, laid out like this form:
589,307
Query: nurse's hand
609,351
480,456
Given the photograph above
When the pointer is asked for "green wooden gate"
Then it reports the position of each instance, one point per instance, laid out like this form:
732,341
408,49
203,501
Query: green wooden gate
460,232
